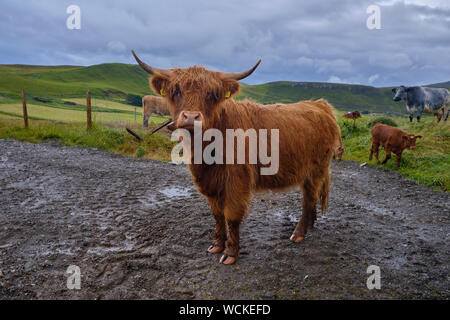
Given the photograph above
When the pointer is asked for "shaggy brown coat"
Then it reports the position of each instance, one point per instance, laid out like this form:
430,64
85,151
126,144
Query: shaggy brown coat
153,104
308,135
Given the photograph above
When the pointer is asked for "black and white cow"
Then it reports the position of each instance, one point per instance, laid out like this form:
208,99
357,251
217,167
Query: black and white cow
424,99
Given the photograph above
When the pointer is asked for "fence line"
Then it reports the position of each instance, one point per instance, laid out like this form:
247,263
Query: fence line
132,116
88,110
24,108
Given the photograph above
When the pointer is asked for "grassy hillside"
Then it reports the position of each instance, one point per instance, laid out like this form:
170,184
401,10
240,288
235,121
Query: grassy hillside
342,96
105,80
115,80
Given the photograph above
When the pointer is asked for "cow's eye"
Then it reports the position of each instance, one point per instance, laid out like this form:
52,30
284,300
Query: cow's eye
212,97
177,93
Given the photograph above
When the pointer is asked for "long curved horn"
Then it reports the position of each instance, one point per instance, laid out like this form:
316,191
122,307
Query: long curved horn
239,75
150,69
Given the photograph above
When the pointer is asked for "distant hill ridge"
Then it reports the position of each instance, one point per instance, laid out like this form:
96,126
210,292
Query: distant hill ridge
118,79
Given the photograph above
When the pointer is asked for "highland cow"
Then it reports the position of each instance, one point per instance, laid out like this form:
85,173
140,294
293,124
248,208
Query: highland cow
308,136
153,104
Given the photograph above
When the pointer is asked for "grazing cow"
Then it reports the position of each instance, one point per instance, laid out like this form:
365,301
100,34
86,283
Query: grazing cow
339,150
353,115
424,99
307,135
153,104
393,140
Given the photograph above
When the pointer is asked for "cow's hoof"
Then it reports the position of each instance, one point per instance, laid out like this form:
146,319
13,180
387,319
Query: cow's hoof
297,239
215,249
227,259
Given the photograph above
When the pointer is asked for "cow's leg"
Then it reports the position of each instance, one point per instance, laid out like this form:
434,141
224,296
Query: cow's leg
374,149
399,157
446,116
310,197
146,117
237,198
410,118
323,197
419,115
388,155
221,231
234,216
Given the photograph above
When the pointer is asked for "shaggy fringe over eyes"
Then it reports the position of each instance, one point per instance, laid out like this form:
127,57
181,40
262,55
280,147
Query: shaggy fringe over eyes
204,83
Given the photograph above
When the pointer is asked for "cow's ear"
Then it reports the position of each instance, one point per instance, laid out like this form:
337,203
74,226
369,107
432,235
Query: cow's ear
394,89
230,87
418,137
159,84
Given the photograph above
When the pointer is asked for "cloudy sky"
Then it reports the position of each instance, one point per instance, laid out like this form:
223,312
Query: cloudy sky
321,40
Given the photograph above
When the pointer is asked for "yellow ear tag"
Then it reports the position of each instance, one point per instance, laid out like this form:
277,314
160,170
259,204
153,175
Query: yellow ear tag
162,92
227,94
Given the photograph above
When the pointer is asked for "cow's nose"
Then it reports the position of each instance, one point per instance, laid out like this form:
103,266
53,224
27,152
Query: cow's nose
188,118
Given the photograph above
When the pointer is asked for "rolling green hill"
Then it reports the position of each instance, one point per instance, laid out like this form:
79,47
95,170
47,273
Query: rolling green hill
342,96
116,80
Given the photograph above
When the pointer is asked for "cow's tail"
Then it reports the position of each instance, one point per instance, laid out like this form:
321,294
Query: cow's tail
324,191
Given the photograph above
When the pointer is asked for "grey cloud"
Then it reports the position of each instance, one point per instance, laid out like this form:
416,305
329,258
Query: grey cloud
297,40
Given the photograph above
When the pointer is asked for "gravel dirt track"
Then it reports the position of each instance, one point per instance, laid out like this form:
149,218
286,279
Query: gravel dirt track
138,229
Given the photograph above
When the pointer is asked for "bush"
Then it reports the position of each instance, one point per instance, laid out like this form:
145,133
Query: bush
383,120
134,100
140,152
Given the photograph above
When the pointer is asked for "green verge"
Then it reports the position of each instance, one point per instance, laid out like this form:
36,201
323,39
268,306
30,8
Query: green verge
428,164
110,138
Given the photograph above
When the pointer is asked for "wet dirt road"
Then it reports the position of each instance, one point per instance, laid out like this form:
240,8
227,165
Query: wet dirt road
138,229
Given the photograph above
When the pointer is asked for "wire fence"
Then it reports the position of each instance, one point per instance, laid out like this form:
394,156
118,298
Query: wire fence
102,111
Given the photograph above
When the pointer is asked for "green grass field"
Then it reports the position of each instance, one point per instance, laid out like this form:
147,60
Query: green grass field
428,164
103,111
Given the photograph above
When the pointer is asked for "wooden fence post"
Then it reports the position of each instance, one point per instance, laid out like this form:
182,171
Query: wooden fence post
88,110
25,113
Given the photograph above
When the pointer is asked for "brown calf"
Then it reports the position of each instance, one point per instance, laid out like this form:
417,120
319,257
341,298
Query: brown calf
393,140
308,135
153,104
